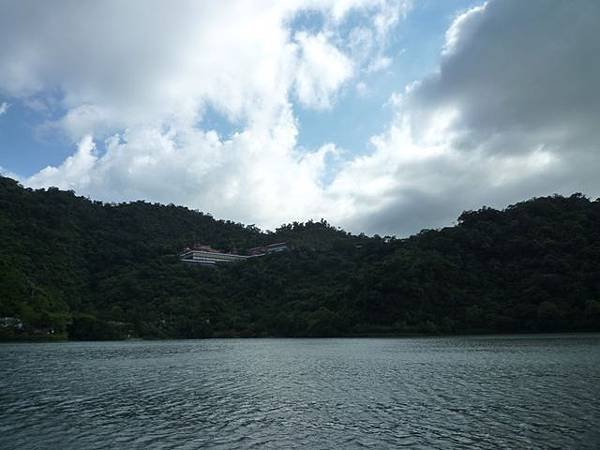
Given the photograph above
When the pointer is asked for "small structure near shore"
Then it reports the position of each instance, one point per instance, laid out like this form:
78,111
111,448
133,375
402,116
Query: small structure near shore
13,323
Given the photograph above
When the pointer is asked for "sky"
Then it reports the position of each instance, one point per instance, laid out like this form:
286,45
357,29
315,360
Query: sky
381,116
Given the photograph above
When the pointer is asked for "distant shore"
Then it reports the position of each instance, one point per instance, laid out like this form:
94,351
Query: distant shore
62,338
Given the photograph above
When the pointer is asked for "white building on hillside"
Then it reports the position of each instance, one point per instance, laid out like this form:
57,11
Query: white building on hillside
209,257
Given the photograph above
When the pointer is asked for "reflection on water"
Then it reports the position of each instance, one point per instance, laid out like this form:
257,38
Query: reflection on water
466,392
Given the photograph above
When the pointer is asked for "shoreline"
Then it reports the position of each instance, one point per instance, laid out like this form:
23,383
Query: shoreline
35,340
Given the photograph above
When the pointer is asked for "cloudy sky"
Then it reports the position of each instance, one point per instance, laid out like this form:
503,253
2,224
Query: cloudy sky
382,116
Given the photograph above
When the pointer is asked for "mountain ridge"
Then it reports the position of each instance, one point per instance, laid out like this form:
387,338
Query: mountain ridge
82,269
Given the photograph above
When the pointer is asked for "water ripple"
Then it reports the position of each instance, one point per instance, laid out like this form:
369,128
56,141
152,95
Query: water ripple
470,392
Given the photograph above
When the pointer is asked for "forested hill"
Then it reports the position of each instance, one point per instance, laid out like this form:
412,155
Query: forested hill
91,270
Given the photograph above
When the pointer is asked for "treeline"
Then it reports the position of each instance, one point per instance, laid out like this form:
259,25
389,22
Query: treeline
71,267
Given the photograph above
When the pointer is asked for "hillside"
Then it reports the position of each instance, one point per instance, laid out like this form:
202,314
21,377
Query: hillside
89,270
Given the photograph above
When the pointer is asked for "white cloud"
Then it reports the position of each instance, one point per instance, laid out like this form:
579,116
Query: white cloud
3,108
361,89
367,43
149,62
512,111
385,12
381,63
140,76
73,173
321,71
405,185
7,173
462,28
256,176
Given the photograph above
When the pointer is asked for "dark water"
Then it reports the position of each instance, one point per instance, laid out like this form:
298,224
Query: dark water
468,392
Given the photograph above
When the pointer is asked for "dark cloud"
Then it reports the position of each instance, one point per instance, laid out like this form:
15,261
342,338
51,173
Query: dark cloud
528,70
512,113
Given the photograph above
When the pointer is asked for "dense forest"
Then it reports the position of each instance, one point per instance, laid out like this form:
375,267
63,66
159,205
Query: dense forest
82,269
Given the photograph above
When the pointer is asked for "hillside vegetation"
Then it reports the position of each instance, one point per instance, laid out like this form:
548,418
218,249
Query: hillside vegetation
71,267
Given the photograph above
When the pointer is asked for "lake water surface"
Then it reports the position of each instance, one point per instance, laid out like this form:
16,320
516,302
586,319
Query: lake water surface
464,392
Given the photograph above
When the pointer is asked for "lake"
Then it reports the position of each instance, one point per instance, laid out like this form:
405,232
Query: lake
455,392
